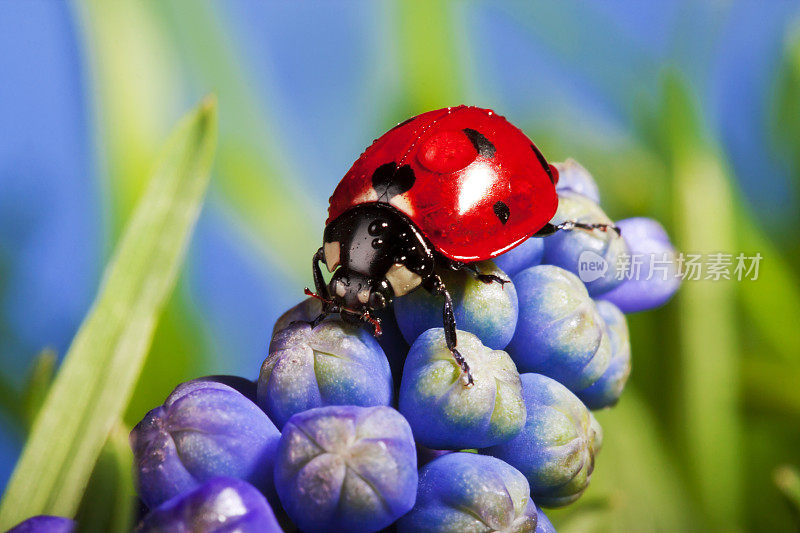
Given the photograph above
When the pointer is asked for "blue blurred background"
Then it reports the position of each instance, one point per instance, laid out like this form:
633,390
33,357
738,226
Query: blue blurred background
639,92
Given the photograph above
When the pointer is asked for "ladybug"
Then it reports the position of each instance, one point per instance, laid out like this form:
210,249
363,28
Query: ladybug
442,190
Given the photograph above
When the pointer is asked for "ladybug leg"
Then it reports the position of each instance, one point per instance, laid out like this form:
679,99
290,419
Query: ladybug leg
322,290
438,289
472,269
319,281
486,278
547,229
569,225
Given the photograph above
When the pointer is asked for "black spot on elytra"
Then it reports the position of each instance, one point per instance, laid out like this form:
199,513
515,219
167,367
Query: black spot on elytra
481,143
389,181
544,163
502,212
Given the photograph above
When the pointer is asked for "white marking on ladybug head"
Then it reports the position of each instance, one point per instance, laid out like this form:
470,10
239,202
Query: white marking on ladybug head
339,288
332,254
363,296
402,279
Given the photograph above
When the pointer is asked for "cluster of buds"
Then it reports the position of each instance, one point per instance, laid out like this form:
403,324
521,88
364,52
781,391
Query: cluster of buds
343,432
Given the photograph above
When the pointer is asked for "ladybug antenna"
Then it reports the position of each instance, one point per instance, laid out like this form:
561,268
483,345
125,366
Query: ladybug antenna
325,301
329,306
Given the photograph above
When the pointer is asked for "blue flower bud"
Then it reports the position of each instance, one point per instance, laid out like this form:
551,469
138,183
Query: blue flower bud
606,391
425,455
393,343
244,386
446,414
346,468
222,505
45,524
543,524
204,429
333,364
596,256
305,311
469,492
560,332
649,246
526,255
556,448
573,177
489,310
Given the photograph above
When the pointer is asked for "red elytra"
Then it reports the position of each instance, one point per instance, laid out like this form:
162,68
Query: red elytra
471,181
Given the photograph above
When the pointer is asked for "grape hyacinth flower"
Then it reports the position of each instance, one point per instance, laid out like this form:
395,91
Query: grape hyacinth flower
331,364
560,332
205,429
393,343
244,386
488,310
556,448
543,524
45,524
526,255
654,279
607,389
221,505
305,311
444,413
573,177
468,492
596,256
346,468
391,340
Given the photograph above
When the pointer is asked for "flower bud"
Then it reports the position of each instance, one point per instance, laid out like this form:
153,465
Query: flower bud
543,524
346,468
220,504
606,391
446,414
45,524
596,256
391,340
526,255
204,429
305,311
332,364
573,177
556,448
470,492
560,332
489,310
652,278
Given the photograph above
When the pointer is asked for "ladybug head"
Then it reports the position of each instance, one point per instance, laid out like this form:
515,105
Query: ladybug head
375,254
358,293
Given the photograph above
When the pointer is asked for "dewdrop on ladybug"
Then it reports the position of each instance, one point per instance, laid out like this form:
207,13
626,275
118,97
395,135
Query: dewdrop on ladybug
440,191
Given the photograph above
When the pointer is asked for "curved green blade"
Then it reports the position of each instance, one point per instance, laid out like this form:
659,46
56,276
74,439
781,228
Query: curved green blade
104,361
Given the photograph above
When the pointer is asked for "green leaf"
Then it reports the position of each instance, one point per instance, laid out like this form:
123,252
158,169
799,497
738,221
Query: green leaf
771,302
429,61
787,479
104,361
136,108
708,332
110,498
39,381
269,206
635,485
785,105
